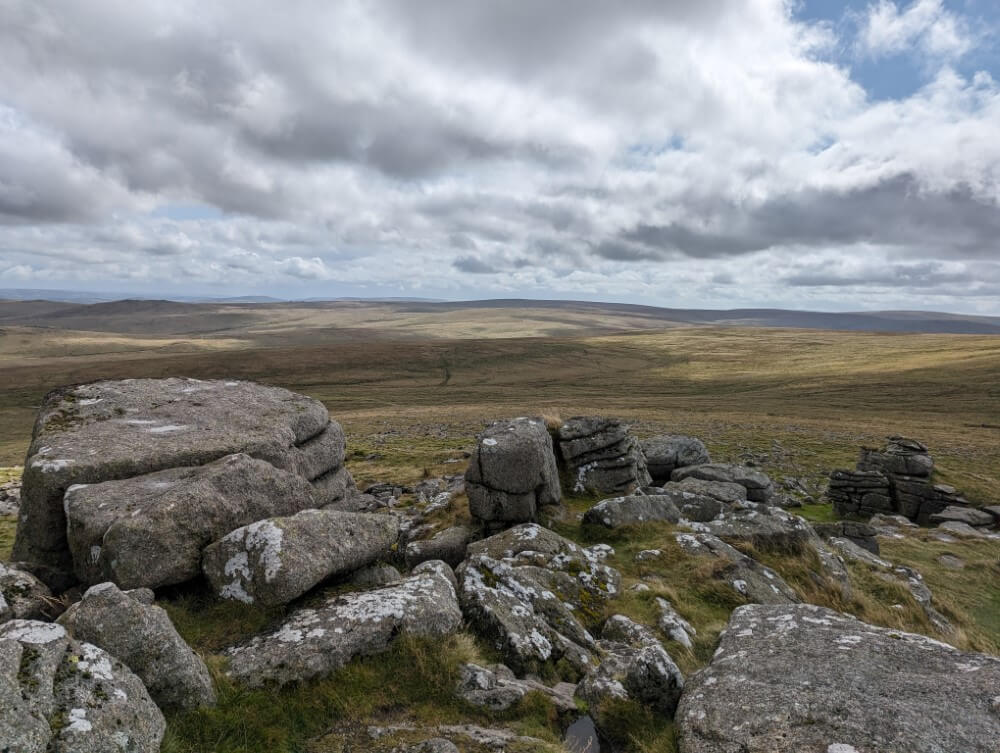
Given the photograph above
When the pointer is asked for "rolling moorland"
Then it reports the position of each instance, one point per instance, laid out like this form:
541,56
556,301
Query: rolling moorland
412,384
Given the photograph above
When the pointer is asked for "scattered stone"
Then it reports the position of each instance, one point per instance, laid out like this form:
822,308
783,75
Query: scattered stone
512,472
10,497
648,554
530,592
666,453
448,545
601,456
634,666
965,530
951,561
150,530
497,688
971,515
434,745
142,636
22,595
891,521
993,510
758,485
675,626
106,431
63,696
313,642
808,678
743,574
276,560
862,534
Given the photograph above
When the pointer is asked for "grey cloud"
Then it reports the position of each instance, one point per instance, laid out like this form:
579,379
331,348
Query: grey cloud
473,266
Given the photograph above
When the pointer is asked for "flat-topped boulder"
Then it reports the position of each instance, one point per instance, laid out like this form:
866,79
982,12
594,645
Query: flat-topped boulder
970,515
121,429
601,456
512,472
275,560
150,530
758,485
803,678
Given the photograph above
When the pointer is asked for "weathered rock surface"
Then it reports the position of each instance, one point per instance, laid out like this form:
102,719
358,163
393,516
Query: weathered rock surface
666,453
10,497
142,637
970,515
116,430
601,456
497,688
766,527
859,493
637,508
743,574
63,696
448,545
758,485
530,592
634,666
804,678
512,472
900,456
150,530
22,595
313,642
276,560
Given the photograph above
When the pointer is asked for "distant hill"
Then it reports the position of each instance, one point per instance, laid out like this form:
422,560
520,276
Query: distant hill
424,318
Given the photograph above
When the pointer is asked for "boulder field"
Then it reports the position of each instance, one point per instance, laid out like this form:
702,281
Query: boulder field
138,489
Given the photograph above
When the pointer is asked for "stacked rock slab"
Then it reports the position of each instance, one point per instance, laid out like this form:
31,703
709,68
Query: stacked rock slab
665,454
601,456
122,429
512,473
864,493
896,478
758,485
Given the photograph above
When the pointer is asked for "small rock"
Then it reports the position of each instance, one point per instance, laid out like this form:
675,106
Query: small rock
448,545
675,626
22,595
970,515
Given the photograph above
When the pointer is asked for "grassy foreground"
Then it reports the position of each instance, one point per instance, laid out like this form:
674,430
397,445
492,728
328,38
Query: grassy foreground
797,403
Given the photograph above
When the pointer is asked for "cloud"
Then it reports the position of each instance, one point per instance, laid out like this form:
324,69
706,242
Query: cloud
648,150
927,24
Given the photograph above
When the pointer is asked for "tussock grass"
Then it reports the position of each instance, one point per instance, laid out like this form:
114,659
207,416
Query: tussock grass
8,526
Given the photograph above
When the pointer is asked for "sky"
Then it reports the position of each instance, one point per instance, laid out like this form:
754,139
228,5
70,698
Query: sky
803,154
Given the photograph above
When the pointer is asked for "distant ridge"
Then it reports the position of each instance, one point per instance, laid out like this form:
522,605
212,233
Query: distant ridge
164,316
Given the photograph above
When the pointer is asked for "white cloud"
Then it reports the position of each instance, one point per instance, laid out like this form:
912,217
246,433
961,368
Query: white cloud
927,24
644,150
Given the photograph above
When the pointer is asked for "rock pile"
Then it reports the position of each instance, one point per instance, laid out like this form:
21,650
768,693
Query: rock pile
601,456
109,431
759,487
10,497
664,454
895,478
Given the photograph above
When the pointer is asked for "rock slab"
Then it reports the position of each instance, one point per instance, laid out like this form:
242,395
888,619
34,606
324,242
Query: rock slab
601,456
665,454
805,678
313,642
149,531
275,560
